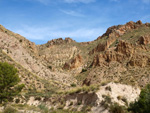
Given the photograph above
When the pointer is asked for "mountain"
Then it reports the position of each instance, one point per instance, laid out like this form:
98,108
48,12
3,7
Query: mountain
65,74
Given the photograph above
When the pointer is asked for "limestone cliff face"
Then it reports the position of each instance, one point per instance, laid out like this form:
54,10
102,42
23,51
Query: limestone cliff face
97,99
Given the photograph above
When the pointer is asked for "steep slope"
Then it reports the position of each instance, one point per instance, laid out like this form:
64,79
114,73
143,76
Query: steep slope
26,54
123,56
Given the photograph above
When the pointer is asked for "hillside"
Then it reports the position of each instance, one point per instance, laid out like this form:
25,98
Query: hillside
65,74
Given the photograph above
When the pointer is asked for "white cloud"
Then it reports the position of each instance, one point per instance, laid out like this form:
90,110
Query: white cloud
33,33
46,33
81,1
72,13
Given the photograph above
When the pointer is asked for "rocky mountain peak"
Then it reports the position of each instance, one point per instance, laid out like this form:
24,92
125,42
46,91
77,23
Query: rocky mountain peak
121,29
59,41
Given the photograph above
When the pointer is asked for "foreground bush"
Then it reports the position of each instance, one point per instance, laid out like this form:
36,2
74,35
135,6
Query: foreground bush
116,108
10,109
143,103
8,82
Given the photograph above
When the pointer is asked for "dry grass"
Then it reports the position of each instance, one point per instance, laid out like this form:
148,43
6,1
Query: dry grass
91,88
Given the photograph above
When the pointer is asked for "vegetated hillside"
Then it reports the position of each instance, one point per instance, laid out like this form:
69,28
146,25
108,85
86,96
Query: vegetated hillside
121,54
61,67
25,53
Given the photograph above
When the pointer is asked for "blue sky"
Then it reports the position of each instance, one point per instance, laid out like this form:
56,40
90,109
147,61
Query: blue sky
82,20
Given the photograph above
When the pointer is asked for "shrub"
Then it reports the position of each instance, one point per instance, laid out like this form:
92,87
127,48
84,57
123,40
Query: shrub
124,99
73,85
83,70
8,82
71,103
104,83
92,88
43,108
79,102
142,105
108,88
20,40
106,102
38,98
17,100
115,108
10,109
50,67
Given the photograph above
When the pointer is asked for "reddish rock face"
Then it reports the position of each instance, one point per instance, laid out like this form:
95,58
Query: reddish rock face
55,41
86,82
59,41
144,40
68,40
121,29
139,22
123,52
125,48
113,33
140,60
74,63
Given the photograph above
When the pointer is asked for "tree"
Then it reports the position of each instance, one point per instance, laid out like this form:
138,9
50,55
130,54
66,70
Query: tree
143,103
9,80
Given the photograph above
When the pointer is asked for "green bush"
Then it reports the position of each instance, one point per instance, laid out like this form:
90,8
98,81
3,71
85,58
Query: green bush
43,108
8,82
10,109
17,101
65,111
73,85
143,103
115,108
92,88
83,70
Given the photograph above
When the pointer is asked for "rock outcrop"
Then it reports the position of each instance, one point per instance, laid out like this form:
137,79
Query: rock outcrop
117,93
59,41
124,52
74,63
122,29
144,40
114,32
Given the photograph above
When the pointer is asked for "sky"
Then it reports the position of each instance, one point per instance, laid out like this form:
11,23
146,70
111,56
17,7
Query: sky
82,20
